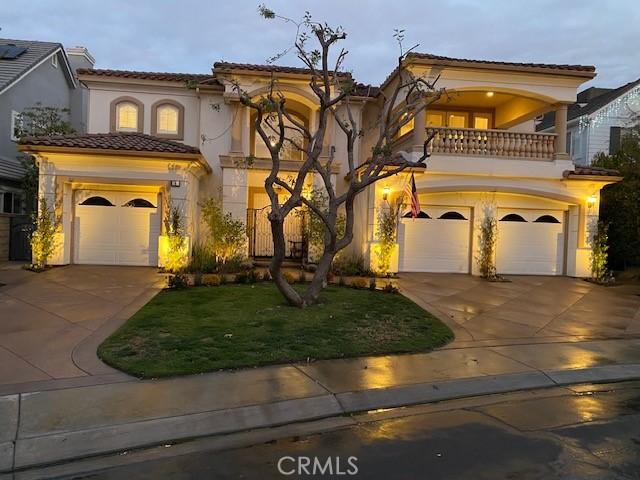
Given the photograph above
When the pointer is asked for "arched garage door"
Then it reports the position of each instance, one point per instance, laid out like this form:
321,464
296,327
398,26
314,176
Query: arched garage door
116,228
437,242
530,242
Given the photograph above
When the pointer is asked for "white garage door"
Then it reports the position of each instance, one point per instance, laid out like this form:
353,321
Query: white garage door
116,228
439,243
530,242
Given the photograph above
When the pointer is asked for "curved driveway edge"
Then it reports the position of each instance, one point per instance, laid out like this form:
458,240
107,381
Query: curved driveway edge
51,321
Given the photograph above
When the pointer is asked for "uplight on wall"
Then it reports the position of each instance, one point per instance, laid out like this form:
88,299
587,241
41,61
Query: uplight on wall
386,190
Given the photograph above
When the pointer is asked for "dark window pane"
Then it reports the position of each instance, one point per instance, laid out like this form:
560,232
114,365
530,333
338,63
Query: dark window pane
97,201
139,203
547,219
452,216
512,217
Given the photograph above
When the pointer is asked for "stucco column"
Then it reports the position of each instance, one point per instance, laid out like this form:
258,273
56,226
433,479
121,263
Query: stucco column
236,129
561,132
419,132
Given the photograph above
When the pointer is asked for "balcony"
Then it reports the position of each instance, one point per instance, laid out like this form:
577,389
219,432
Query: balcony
491,143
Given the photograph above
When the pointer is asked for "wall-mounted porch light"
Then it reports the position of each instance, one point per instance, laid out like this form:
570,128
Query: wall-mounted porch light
591,200
489,94
386,190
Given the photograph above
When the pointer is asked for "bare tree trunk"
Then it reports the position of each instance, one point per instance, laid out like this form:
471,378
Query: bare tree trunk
312,293
275,267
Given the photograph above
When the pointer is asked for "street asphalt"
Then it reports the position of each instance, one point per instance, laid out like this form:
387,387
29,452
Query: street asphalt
581,432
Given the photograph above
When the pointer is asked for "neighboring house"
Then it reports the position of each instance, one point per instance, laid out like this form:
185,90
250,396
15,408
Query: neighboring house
598,120
160,140
30,73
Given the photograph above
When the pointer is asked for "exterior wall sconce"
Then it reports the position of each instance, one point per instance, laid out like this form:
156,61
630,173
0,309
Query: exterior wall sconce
489,94
385,192
591,201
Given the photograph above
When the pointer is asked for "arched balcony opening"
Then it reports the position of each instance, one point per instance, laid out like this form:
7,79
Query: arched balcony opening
295,142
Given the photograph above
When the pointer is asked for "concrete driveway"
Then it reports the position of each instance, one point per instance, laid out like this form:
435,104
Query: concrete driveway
526,309
52,322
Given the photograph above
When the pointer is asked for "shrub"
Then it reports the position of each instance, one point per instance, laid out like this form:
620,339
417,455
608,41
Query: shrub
223,279
350,266
253,276
372,284
599,252
302,278
387,228
228,236
289,277
177,252
359,283
43,238
487,247
242,277
202,259
390,288
178,281
341,281
211,279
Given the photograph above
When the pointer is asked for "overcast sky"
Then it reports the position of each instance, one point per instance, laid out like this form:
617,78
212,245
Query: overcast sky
189,35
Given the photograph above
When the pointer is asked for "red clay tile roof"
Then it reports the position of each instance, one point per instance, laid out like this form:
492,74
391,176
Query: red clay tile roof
226,66
551,66
362,90
592,171
204,78
137,142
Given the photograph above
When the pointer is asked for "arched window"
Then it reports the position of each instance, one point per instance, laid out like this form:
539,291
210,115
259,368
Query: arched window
126,115
139,203
452,216
167,119
98,202
512,217
420,215
547,219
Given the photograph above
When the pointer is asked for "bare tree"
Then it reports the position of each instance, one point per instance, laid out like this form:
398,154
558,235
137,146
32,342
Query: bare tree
407,96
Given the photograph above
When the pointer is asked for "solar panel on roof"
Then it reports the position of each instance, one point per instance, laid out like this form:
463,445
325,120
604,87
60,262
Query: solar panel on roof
9,51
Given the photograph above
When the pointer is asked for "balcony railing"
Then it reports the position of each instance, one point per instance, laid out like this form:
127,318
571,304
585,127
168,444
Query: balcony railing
492,143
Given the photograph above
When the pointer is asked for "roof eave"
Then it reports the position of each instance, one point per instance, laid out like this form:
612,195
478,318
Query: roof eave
492,66
109,151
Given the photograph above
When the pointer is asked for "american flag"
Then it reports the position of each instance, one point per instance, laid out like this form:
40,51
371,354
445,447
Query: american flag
411,191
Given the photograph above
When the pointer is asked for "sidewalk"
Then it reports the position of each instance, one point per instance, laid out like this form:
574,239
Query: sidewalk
51,426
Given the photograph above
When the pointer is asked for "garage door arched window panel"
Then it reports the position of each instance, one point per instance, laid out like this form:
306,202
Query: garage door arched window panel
127,115
420,215
452,215
139,203
167,119
546,219
97,201
513,217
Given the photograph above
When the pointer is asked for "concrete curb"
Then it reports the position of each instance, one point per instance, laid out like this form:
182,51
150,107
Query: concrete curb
42,450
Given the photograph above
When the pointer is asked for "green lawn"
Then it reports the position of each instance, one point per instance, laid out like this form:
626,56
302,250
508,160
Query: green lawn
231,326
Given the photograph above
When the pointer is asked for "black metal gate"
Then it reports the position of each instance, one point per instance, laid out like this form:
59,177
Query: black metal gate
20,230
261,240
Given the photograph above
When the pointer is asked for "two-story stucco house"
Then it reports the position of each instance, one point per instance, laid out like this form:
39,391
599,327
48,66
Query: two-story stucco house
164,139
597,121
31,73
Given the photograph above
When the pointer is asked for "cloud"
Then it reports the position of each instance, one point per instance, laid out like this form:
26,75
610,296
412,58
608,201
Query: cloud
189,35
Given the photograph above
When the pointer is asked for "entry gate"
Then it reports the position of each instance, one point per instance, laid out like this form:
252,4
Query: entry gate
261,240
